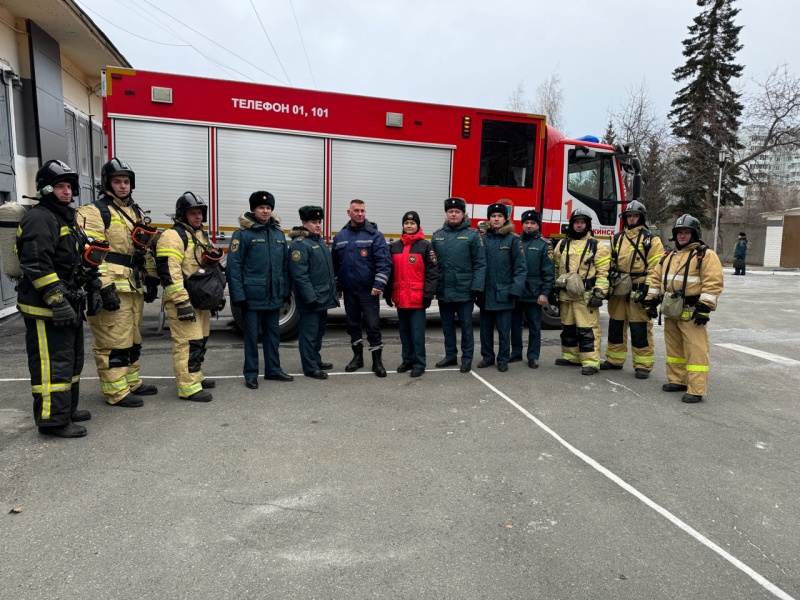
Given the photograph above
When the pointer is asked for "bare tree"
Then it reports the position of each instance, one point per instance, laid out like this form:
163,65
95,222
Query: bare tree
637,121
775,112
549,101
518,101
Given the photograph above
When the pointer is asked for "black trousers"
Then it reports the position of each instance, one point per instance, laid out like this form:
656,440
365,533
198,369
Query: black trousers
363,312
55,362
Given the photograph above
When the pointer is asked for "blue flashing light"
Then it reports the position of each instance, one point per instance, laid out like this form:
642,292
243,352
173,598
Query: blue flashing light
589,138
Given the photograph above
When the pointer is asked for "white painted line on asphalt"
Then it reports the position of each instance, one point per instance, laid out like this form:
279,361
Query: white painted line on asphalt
758,578
789,362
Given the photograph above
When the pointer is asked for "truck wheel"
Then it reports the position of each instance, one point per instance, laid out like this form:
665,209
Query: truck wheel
551,313
289,322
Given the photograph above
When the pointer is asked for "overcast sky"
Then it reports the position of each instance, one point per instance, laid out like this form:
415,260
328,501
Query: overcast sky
462,52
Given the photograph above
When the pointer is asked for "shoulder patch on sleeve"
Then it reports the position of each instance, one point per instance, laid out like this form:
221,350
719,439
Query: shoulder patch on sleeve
234,245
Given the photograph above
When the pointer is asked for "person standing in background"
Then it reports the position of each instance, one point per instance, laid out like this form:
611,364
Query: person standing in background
740,255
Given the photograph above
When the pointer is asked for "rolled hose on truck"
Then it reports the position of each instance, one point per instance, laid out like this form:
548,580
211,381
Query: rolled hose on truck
11,214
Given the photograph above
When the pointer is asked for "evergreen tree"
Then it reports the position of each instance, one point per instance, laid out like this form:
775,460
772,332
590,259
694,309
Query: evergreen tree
610,136
705,112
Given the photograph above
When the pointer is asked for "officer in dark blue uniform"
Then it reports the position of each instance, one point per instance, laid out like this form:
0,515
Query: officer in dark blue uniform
314,286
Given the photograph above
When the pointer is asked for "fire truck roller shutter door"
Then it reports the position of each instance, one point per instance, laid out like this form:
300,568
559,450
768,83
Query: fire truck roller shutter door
390,179
290,166
168,159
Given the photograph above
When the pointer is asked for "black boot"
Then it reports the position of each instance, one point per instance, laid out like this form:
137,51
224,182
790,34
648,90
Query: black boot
377,363
358,358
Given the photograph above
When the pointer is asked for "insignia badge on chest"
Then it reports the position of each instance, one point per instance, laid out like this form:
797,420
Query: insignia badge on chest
364,253
412,259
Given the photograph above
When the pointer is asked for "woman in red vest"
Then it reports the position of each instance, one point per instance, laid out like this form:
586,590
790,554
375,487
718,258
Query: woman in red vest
411,288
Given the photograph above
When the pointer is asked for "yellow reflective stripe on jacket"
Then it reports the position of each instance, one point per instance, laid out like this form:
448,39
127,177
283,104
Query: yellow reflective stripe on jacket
170,252
697,368
174,288
117,220
64,231
123,286
76,379
46,280
95,234
676,360
35,311
602,261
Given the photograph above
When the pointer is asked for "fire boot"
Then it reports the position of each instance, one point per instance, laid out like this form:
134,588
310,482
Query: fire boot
358,358
377,363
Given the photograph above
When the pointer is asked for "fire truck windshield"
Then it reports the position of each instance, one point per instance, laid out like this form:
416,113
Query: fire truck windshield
591,179
507,153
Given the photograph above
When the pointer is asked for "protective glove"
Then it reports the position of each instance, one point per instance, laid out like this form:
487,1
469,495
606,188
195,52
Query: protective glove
596,299
426,302
388,300
138,259
652,312
151,288
64,315
652,301
240,304
109,298
221,305
700,315
185,312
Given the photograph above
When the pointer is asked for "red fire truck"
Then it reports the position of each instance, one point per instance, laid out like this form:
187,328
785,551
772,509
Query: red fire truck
226,139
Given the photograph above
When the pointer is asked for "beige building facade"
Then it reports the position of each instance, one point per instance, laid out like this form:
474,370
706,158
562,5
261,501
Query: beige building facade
51,58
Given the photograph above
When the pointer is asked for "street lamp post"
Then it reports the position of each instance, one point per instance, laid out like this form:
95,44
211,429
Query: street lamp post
723,157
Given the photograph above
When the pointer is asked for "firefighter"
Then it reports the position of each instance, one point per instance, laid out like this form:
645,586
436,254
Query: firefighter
687,282
117,219
258,278
49,298
581,265
538,284
411,288
181,252
314,286
462,278
505,283
634,256
362,264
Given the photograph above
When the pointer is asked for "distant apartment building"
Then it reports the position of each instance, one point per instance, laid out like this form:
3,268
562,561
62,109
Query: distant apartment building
779,166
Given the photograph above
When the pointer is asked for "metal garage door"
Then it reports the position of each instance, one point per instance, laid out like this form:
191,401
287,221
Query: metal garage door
168,160
291,167
390,179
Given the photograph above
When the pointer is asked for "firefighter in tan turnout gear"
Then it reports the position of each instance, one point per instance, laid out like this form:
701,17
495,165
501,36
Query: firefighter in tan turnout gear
687,281
182,252
117,219
634,256
581,264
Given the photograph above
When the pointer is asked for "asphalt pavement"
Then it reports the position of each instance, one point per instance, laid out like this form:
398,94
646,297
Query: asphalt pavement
540,484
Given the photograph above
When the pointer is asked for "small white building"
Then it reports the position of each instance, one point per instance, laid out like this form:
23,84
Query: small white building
782,246
51,58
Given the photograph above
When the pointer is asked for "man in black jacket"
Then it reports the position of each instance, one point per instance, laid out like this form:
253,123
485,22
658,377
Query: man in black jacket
49,246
